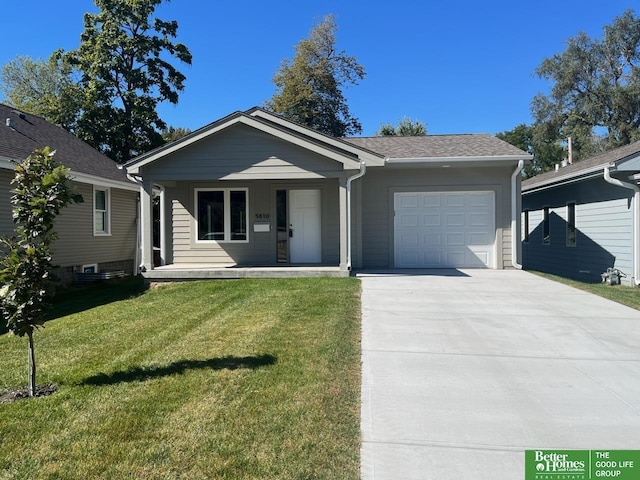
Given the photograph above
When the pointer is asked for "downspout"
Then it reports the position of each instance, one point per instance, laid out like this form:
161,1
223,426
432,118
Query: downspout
636,222
138,255
514,214
363,170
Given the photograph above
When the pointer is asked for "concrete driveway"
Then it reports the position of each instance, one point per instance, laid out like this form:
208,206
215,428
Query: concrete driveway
464,370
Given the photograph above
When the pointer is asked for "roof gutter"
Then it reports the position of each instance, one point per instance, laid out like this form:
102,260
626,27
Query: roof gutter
636,221
504,158
363,170
564,179
514,216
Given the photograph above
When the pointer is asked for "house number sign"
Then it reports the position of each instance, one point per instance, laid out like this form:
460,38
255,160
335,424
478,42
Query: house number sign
263,216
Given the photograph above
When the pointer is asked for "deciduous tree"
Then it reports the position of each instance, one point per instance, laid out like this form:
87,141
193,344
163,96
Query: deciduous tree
42,87
42,189
595,93
125,74
309,88
406,127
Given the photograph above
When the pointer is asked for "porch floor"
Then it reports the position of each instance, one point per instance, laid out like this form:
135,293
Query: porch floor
182,272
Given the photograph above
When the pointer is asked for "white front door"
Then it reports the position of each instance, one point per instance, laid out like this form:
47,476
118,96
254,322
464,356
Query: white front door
305,226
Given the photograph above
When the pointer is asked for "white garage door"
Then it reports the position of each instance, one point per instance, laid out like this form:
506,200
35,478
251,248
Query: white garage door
444,229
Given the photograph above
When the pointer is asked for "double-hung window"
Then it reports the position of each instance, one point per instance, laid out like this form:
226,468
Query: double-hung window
101,211
222,215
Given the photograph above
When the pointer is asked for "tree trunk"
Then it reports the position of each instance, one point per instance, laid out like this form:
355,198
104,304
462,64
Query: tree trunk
32,366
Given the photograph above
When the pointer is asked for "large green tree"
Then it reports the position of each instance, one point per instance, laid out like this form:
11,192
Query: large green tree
42,188
42,87
125,72
595,93
309,88
406,127
528,138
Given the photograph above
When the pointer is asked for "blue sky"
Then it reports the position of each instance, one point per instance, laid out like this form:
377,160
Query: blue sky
459,66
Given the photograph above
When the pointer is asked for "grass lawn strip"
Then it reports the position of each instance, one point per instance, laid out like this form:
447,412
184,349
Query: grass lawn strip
228,379
629,296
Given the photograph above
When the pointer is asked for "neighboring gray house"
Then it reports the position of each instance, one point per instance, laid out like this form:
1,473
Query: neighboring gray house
97,235
583,218
254,189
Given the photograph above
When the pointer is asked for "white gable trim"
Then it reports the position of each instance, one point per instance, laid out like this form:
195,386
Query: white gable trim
133,167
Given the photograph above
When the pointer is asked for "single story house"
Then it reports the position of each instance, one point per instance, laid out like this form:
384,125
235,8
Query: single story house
583,218
256,190
94,236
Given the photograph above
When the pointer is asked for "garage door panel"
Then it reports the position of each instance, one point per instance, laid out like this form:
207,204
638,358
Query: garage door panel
446,229
455,219
431,220
408,201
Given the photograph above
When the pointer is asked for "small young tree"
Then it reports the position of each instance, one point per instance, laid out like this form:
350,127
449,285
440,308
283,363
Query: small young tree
42,189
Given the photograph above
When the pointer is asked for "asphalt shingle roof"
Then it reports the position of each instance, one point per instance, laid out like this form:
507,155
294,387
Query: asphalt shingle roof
437,146
29,132
578,168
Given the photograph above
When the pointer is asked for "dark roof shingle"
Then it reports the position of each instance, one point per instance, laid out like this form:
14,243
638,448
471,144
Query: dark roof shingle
28,132
437,146
578,168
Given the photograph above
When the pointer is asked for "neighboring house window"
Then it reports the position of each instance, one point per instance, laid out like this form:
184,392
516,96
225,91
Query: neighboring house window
222,215
546,238
571,224
101,211
525,227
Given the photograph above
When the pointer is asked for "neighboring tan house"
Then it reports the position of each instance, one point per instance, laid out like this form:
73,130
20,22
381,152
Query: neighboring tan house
96,235
583,218
255,190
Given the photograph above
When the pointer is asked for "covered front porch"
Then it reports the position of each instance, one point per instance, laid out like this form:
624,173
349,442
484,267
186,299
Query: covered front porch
251,195
187,272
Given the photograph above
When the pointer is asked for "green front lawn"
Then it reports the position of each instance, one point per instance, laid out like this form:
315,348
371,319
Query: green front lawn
629,296
246,379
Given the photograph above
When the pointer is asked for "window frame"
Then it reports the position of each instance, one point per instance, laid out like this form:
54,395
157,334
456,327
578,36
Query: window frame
227,214
546,226
525,227
571,212
107,212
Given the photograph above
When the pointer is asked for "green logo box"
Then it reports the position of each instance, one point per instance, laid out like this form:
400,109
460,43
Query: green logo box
582,464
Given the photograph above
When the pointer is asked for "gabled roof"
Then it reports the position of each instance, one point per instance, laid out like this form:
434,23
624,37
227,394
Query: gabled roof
583,168
330,147
22,133
440,147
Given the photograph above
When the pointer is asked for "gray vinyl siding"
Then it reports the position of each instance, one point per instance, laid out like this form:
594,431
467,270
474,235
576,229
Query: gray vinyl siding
240,153
77,245
261,247
380,184
604,230
6,221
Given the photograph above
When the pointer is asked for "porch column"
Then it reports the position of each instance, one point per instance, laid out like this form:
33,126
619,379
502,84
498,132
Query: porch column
146,221
342,195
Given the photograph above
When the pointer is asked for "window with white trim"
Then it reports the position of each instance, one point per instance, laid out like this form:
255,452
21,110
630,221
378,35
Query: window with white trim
222,215
101,210
546,232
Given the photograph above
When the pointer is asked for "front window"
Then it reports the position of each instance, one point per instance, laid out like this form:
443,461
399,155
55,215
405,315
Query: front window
101,201
222,215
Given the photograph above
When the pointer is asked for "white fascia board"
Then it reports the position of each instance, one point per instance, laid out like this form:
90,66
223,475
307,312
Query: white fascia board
370,157
10,164
500,158
7,163
133,168
565,179
104,182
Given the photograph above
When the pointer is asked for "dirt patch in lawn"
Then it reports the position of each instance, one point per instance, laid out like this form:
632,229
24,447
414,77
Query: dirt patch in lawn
10,396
